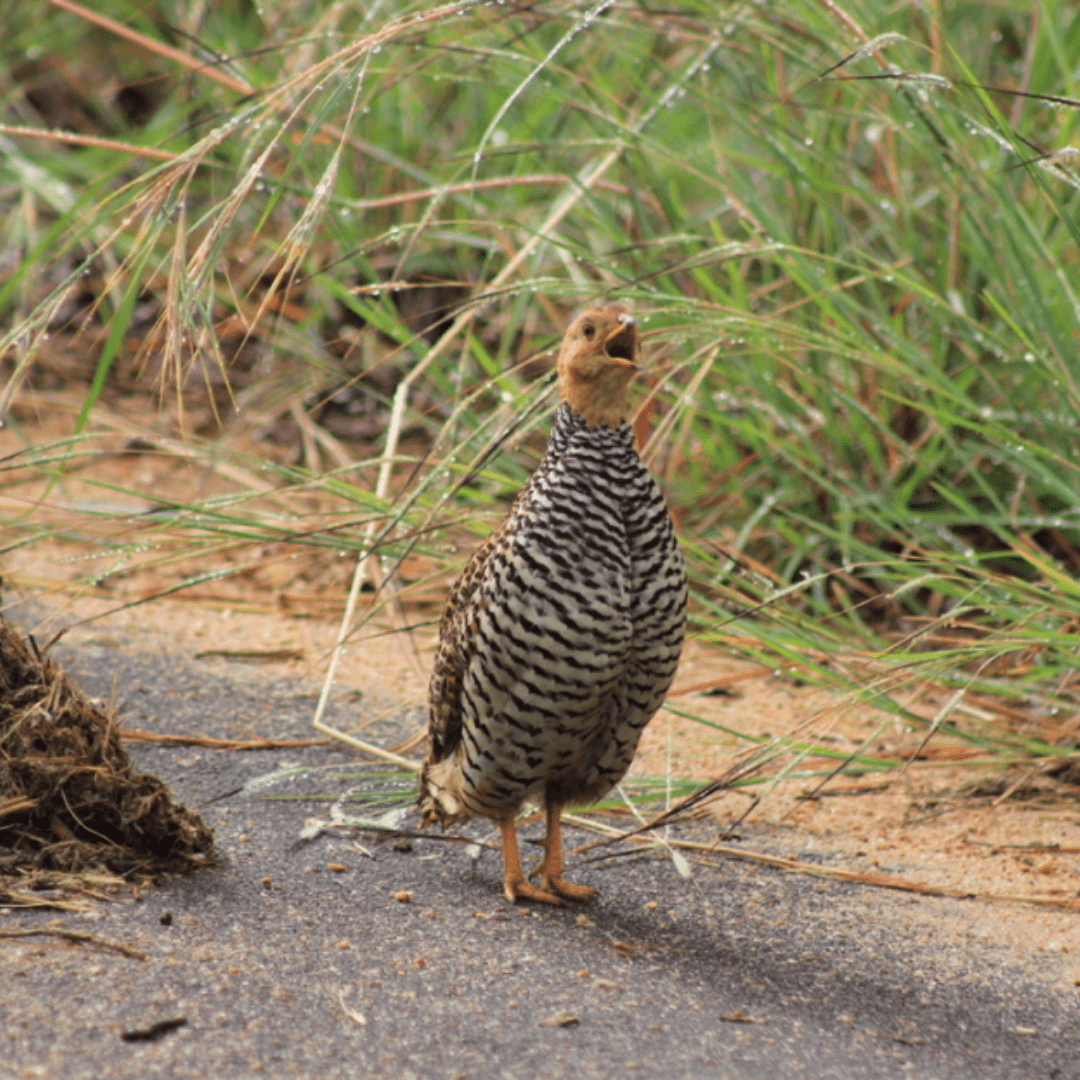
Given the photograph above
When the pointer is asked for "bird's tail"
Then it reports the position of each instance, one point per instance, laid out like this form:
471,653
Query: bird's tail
439,798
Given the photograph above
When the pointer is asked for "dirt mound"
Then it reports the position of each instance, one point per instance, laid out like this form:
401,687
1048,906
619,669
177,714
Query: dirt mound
69,797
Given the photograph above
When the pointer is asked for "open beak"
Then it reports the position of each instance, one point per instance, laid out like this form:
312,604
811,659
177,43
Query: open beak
622,345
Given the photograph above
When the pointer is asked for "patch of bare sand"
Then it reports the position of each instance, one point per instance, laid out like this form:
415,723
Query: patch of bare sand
927,824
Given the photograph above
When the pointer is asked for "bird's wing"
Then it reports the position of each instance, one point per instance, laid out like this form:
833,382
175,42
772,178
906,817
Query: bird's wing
457,633
458,628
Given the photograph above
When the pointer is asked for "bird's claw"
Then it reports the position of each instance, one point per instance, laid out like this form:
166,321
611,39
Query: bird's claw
568,891
522,890
557,885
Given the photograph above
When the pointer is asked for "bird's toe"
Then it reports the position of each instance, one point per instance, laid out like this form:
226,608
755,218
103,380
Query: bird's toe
569,891
522,890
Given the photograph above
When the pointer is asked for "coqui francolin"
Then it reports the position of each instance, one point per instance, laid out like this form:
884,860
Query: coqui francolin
562,635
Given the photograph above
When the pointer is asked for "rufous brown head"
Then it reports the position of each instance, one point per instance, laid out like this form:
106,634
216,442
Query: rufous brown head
600,354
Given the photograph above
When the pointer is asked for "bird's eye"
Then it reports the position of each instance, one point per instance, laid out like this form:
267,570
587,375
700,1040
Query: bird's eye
588,330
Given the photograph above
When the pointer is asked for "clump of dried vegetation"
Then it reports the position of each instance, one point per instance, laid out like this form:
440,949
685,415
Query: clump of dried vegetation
70,800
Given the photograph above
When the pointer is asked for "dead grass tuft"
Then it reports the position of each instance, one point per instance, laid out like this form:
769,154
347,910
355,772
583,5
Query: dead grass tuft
70,799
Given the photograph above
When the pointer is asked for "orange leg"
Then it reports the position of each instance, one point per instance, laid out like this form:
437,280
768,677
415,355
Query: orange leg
515,887
551,868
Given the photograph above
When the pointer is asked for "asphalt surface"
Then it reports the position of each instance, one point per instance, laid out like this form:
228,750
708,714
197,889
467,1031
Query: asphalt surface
280,965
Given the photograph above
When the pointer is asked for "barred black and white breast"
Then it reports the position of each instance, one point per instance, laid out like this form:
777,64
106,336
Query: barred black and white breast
562,636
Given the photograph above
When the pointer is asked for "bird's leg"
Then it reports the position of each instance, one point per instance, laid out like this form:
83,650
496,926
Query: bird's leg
515,887
551,868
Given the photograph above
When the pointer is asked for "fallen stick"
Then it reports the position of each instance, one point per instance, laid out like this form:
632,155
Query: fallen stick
130,735
79,937
857,877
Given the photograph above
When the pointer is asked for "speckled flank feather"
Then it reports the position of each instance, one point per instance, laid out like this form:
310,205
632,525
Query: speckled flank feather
561,638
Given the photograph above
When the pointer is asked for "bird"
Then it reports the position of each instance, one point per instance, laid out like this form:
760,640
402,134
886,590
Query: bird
561,637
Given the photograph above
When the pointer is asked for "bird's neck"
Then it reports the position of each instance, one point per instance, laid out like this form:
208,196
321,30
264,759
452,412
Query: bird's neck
599,401
595,414
569,423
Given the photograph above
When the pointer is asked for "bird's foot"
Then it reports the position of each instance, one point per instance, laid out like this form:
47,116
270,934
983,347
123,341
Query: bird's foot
557,885
568,891
522,890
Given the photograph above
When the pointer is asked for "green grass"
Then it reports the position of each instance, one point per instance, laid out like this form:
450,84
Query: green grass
857,277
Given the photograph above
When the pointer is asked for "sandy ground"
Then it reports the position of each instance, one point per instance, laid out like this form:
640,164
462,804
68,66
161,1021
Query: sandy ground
939,823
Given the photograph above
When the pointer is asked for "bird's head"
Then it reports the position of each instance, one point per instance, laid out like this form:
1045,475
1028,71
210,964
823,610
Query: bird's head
600,354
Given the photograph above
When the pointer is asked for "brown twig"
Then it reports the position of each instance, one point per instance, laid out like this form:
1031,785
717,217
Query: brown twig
209,743
856,877
252,656
78,937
